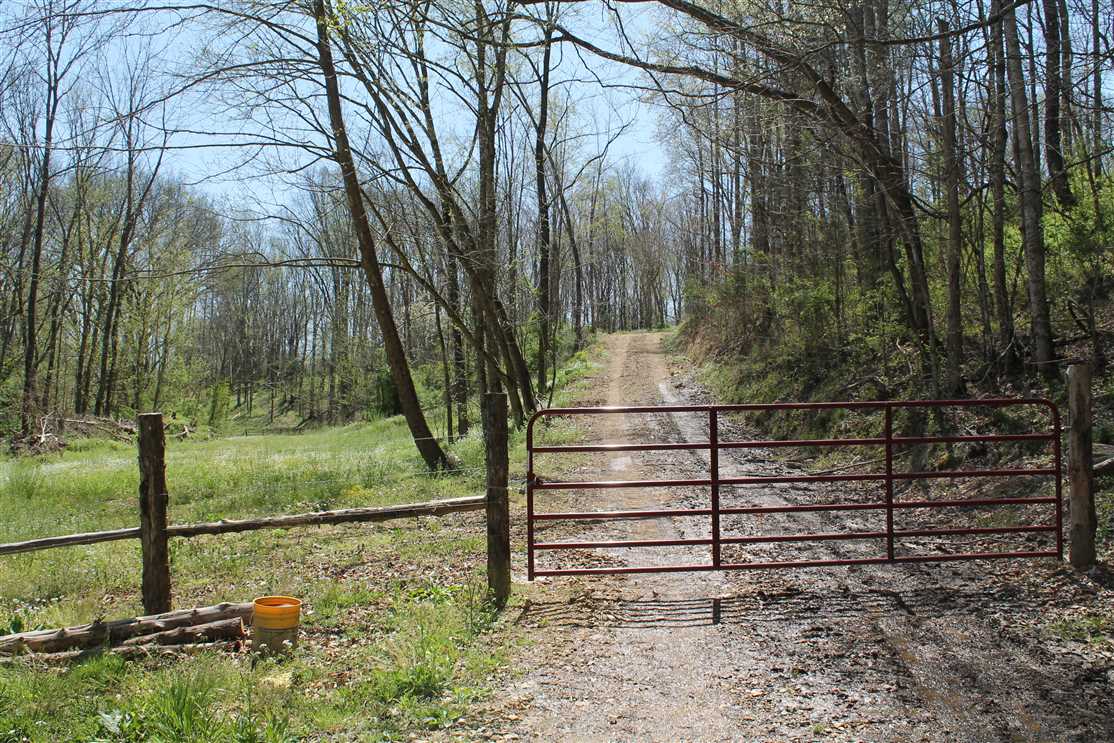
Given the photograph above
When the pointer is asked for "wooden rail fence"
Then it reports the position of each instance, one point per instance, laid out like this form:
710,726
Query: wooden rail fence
229,526
154,531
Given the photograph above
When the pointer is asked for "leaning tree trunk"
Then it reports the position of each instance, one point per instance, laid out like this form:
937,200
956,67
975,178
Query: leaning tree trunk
428,446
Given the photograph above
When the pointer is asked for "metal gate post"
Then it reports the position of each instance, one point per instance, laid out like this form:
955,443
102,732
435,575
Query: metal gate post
713,460
889,435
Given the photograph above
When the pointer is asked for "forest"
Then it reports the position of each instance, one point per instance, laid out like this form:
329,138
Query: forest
447,206
296,254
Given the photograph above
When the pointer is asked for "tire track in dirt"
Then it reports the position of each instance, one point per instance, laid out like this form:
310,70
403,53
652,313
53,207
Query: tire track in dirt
861,653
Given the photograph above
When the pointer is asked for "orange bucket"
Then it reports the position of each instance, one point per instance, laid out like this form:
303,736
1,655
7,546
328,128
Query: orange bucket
275,621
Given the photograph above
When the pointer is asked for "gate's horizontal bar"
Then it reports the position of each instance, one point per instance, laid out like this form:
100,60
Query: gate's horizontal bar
964,502
828,536
779,443
821,537
789,479
798,563
785,479
880,560
972,530
591,485
804,563
621,543
991,402
985,437
724,566
617,447
973,473
813,507
621,571
610,515
745,510
776,443
976,556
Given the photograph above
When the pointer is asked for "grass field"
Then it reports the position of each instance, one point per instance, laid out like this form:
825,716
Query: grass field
396,634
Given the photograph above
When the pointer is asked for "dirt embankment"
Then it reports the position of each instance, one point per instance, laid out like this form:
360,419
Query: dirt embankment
938,652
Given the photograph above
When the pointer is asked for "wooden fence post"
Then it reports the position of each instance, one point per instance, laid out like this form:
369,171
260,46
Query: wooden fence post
1081,503
152,514
498,507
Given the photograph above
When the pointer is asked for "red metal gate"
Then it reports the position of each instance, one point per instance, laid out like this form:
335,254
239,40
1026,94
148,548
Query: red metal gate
715,510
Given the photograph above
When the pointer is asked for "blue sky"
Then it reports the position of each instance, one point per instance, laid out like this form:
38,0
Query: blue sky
208,167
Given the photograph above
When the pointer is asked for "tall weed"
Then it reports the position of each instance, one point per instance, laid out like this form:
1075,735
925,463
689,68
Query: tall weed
25,480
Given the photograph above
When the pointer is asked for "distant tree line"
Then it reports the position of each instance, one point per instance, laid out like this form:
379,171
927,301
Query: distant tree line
844,180
855,178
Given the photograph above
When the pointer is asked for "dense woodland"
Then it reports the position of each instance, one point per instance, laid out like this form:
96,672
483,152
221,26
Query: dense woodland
917,195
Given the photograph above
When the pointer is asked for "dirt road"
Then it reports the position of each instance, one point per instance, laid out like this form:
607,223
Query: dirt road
941,652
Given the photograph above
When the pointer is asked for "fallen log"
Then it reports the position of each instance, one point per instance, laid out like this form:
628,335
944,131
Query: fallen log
316,518
129,652
124,430
116,632
225,629
1104,459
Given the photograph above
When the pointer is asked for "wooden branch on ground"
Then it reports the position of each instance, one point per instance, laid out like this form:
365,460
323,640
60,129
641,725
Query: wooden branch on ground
224,629
118,430
1105,453
129,652
1086,335
317,518
118,631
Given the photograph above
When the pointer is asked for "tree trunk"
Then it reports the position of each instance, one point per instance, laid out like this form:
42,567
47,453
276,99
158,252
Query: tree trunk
460,370
446,374
1053,95
545,284
29,408
953,380
1002,306
1031,206
427,445
1097,49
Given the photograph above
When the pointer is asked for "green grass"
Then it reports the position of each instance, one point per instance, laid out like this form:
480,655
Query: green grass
1092,627
396,635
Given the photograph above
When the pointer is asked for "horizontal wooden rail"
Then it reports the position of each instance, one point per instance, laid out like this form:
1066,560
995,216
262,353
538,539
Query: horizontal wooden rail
317,518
